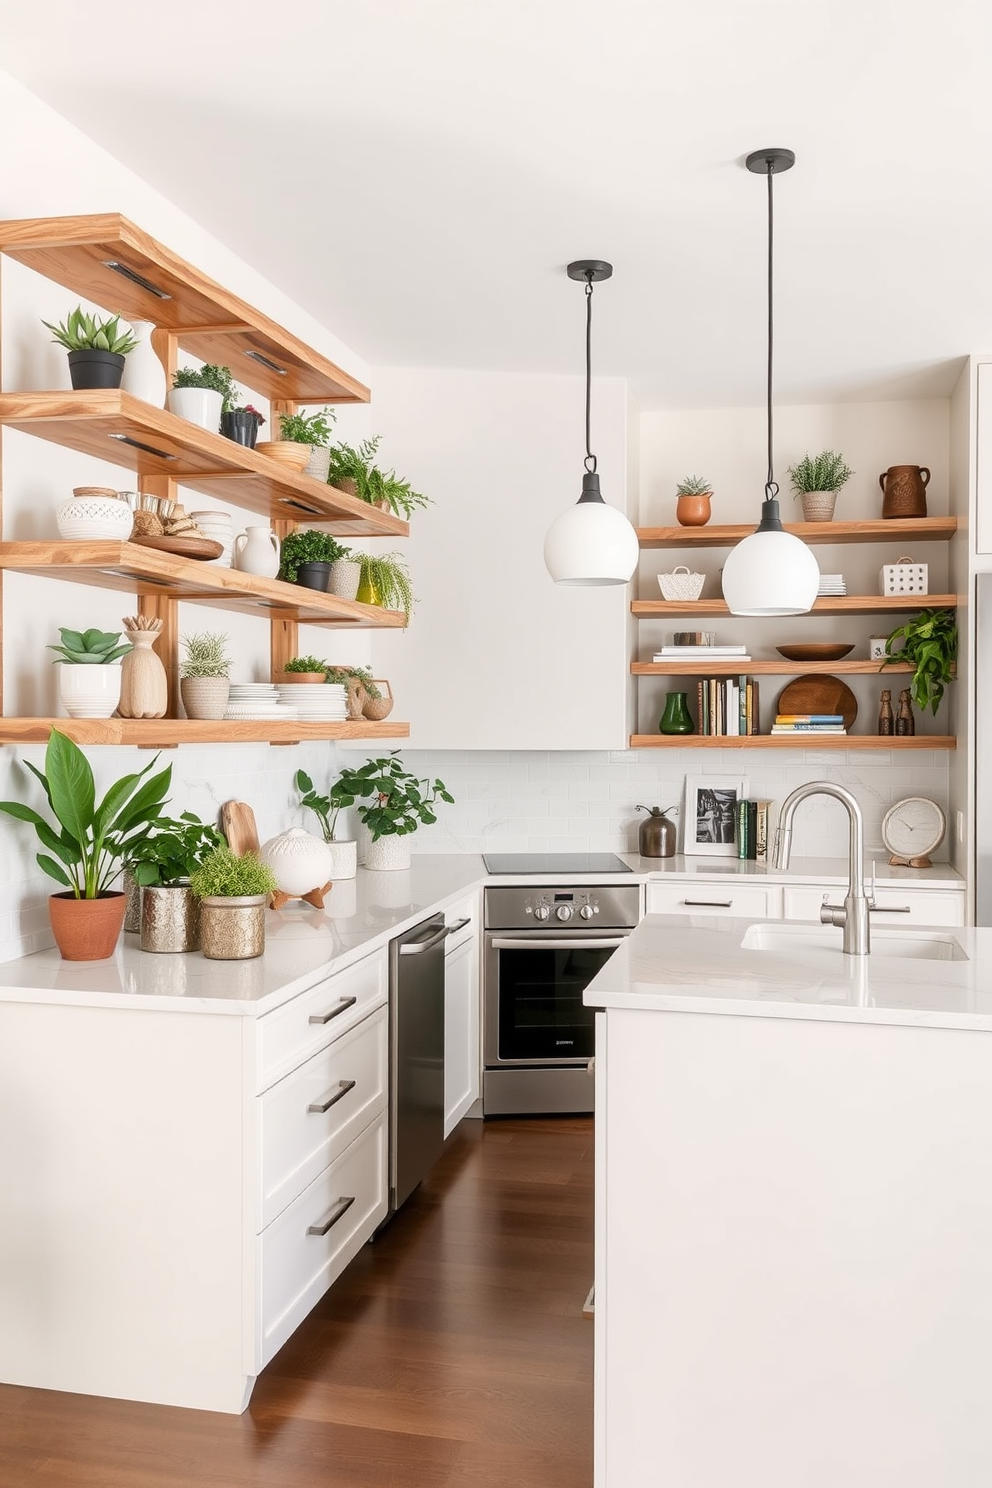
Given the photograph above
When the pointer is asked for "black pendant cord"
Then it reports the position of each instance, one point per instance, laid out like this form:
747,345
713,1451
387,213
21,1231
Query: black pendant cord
590,460
771,489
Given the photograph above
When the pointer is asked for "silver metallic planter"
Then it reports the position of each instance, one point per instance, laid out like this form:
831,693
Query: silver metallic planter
132,892
232,929
170,918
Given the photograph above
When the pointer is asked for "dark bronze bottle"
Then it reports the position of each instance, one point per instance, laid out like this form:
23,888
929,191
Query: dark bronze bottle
905,722
656,834
885,719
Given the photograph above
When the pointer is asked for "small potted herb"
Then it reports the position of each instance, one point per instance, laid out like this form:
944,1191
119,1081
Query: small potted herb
354,471
313,430
202,394
232,892
327,809
204,669
306,556
816,480
89,671
307,669
96,345
162,906
399,804
930,643
692,505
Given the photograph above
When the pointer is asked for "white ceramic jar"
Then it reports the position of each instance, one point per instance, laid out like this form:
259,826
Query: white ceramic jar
300,861
256,551
89,690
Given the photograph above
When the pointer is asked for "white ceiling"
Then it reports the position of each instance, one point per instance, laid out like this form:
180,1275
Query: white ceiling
418,172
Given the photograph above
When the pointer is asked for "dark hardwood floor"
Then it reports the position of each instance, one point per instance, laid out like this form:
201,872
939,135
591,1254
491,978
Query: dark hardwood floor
453,1351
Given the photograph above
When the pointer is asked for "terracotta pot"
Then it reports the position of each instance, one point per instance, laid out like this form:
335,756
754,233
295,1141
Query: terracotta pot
694,511
87,929
312,679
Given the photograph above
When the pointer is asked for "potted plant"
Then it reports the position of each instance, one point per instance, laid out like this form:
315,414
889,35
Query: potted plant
305,669
313,430
242,424
232,892
817,479
89,844
385,581
90,672
203,672
692,505
400,803
306,556
930,643
327,809
96,346
160,903
201,394
353,470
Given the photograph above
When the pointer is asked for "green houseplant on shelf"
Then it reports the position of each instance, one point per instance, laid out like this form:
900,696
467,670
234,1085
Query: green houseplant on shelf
399,804
313,430
306,556
89,844
327,809
385,581
354,471
203,394
930,645
160,904
204,670
232,892
89,671
96,345
692,503
816,479
305,669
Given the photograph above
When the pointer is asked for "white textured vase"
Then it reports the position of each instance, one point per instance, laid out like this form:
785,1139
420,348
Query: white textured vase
344,859
144,376
201,406
89,690
388,853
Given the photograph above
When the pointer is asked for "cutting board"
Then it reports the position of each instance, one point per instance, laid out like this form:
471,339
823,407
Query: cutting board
237,822
814,693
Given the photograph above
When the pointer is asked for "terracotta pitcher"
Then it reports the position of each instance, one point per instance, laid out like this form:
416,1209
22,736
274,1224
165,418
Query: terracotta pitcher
904,491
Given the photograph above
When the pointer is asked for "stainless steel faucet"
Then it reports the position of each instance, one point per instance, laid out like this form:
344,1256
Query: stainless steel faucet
853,913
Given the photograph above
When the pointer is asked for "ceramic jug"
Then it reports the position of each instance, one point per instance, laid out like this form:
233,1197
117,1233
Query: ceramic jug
904,491
256,551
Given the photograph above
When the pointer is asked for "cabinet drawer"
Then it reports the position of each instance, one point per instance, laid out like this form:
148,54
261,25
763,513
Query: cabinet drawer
762,901
296,1267
296,1138
896,905
292,1033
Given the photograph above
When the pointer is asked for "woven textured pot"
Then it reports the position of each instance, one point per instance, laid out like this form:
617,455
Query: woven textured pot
818,506
388,853
205,697
87,929
378,708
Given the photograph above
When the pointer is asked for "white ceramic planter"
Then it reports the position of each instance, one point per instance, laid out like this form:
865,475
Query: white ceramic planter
200,405
89,691
388,853
300,861
345,577
144,376
344,860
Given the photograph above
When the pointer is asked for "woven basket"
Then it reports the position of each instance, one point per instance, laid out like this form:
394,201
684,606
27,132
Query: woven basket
681,584
379,708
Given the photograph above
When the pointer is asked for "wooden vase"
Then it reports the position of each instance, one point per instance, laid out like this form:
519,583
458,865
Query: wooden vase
144,684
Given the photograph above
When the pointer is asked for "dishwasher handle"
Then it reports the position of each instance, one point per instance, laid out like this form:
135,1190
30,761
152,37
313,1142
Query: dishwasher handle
417,947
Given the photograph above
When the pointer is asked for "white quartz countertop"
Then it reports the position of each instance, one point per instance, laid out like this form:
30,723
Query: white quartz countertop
696,964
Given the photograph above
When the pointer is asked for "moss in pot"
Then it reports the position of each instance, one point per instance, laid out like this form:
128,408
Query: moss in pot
232,892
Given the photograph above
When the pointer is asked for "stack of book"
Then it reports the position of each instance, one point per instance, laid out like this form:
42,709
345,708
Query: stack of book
752,830
702,653
832,584
727,705
809,723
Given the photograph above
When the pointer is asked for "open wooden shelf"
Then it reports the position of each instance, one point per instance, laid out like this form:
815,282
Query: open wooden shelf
167,733
918,529
736,668
147,571
840,604
112,425
209,321
805,740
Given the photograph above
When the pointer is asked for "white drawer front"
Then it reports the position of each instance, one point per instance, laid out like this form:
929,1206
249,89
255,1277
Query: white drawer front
296,1137
896,905
296,1267
293,1033
762,901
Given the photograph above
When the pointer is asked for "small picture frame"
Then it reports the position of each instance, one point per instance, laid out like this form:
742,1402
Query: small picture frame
710,815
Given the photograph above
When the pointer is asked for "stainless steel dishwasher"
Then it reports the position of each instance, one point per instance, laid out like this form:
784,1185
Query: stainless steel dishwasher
416,1056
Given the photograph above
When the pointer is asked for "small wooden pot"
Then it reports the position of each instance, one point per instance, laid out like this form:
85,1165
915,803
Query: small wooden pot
287,451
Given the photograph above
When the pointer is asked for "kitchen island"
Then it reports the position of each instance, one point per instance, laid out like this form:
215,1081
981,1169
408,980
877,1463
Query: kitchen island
794,1214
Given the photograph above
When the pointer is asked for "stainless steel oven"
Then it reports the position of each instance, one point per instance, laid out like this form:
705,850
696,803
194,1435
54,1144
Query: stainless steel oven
543,946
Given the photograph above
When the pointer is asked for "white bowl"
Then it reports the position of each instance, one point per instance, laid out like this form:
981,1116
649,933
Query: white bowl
89,518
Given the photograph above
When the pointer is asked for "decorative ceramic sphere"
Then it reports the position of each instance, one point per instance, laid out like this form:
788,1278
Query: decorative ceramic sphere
299,860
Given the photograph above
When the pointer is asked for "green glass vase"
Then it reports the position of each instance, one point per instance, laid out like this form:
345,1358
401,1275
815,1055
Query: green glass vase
676,718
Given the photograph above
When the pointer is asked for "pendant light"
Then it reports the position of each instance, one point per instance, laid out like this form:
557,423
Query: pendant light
591,543
771,572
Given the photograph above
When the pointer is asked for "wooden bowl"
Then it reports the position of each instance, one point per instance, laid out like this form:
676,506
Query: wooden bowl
815,651
287,451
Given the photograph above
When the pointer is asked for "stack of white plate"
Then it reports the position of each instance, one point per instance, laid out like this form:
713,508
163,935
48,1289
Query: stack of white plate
316,702
257,700
832,584
217,526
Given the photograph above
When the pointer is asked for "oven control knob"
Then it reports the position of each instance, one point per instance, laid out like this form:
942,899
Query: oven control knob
564,912
586,912
542,912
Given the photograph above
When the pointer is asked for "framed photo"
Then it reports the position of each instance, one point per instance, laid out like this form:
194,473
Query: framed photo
710,815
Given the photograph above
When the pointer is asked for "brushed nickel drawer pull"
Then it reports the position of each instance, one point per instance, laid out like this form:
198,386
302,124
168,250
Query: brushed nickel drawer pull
709,903
341,1207
319,1107
346,1002
459,925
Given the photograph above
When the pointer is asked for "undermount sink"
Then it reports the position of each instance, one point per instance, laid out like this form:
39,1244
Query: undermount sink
922,945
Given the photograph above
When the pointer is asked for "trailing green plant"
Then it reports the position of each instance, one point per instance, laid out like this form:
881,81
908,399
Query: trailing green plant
82,332
224,874
827,471
307,545
305,664
385,581
930,643
325,808
172,850
91,841
693,485
206,655
307,428
400,803
89,647
356,463
343,675
217,379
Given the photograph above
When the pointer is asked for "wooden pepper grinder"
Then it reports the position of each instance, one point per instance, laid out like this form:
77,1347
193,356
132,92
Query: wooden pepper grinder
886,723
905,723
144,684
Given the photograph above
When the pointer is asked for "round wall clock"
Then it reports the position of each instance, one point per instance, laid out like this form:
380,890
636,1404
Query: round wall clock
911,829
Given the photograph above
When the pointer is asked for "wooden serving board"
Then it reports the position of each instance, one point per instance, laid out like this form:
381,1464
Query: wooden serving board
237,822
816,693
183,547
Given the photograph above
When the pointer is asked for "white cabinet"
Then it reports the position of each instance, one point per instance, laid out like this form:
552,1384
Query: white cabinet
896,904
723,898
462,1055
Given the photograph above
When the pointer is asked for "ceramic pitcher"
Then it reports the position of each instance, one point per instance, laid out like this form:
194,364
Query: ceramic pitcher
904,490
257,552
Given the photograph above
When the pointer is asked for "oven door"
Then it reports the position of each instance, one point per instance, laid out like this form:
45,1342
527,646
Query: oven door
534,981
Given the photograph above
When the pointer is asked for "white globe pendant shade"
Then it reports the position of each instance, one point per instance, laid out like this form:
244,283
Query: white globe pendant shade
589,544
770,573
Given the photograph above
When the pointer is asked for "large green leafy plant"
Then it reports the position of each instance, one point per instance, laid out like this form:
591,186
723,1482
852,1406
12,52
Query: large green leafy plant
930,643
82,332
356,463
307,545
401,801
307,428
90,841
325,808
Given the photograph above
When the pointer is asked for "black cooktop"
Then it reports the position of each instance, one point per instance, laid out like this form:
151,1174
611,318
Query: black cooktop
554,863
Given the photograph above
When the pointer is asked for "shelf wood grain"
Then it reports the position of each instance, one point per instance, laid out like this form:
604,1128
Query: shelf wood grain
912,529
167,733
840,604
805,740
724,668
